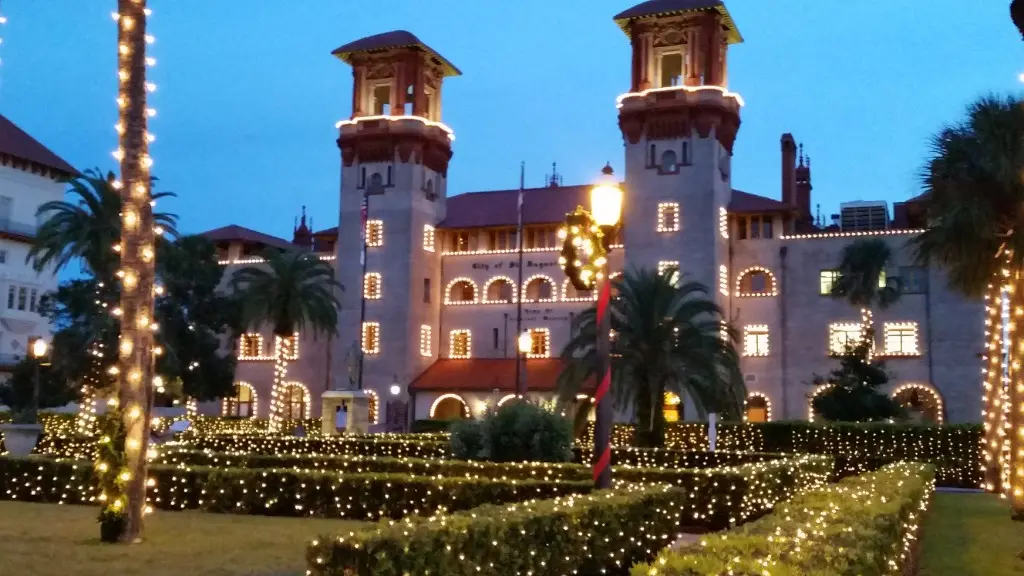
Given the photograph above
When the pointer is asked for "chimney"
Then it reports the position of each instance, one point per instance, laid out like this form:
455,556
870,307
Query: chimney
789,170
803,186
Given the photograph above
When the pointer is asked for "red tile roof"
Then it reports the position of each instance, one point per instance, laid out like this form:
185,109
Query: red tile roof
746,203
498,208
17,144
656,8
241,234
389,40
486,374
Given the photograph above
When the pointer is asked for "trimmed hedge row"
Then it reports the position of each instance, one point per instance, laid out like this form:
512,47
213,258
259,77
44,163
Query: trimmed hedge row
277,492
865,525
587,534
388,446
954,450
631,465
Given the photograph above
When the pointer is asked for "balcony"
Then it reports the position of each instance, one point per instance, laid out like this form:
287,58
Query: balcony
13,230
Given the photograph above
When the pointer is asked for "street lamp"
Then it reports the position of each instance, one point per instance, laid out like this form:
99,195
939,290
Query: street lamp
587,240
525,347
38,352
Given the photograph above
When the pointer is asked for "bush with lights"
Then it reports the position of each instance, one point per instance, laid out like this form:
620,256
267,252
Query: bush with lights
384,445
517,431
863,525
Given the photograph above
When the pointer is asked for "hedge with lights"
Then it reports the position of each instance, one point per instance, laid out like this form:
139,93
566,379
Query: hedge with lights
864,525
393,446
954,450
603,532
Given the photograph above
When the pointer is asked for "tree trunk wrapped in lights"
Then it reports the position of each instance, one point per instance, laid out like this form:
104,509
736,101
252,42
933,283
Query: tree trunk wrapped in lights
1014,400
280,373
124,499
993,384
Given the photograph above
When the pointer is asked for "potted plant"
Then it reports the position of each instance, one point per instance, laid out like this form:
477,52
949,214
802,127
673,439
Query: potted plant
33,384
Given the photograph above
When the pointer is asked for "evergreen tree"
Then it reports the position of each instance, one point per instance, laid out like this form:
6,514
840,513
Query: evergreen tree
855,390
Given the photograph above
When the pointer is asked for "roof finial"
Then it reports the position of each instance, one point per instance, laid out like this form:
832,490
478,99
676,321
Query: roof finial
556,179
607,170
801,154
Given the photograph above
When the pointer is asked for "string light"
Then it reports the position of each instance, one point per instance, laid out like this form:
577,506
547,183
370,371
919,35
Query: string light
843,334
723,280
929,392
755,340
342,124
372,286
568,297
992,372
668,217
506,284
771,287
229,406
440,399
466,286
371,338
429,236
486,252
723,223
460,344
626,98
859,234
901,339
374,233
540,343
540,280
763,398
426,341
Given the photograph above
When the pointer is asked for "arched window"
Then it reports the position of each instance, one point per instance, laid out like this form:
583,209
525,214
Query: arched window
449,407
376,180
294,401
922,403
759,409
668,161
756,282
243,403
571,294
539,289
673,408
499,290
461,291
428,190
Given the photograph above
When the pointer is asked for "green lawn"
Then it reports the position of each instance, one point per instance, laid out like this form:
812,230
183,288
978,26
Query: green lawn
971,535
54,540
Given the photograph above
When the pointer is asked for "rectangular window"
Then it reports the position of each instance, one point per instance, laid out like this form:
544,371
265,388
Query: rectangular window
827,279
914,279
766,227
540,343
426,290
371,286
22,298
381,100
882,280
755,340
668,217
32,300
374,233
496,341
901,339
10,297
250,346
362,177
371,338
426,340
741,228
755,227
289,346
460,344
670,71
843,334
460,241
428,237
3,256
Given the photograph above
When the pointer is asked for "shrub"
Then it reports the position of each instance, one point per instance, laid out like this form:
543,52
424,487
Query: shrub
586,534
865,525
394,446
430,425
278,492
517,431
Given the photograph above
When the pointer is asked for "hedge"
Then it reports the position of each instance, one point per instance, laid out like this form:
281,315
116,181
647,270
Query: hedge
384,445
954,450
277,492
865,525
586,534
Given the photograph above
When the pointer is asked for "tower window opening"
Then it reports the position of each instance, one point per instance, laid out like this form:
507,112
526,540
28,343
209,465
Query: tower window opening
409,100
429,110
362,177
686,154
381,100
652,160
389,176
671,64
669,165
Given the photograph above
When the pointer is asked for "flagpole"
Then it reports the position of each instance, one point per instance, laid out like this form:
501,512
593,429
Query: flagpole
520,381
364,212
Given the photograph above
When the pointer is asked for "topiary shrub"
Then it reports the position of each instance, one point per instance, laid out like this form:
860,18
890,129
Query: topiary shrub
517,431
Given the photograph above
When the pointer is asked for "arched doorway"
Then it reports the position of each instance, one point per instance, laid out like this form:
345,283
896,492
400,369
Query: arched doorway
758,409
449,407
243,403
294,400
922,403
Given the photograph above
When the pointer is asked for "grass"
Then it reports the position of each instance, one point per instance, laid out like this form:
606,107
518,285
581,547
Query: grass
971,535
54,540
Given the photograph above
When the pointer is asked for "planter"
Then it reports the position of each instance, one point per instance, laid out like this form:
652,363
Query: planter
20,439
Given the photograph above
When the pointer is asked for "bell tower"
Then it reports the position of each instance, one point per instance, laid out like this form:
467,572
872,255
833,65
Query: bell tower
679,122
394,172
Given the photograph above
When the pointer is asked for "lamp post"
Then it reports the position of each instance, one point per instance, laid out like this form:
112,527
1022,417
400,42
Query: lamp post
587,241
38,352
525,347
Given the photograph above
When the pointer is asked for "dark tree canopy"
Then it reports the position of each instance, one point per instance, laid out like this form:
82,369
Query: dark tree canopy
856,389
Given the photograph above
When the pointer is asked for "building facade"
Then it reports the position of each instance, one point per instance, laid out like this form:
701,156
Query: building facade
434,309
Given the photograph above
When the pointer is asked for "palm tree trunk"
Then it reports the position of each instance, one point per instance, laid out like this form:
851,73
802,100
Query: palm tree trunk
137,268
280,373
1015,397
992,402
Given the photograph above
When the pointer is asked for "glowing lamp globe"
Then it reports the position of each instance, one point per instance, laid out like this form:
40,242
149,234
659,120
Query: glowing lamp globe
606,199
39,348
525,343
395,390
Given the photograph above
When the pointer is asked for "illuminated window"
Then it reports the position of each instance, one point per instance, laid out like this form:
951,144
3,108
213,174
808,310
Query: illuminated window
755,340
289,346
668,217
499,290
250,346
460,344
539,289
843,334
295,401
723,223
670,68
371,286
827,281
669,162
673,408
461,291
756,282
723,280
881,279
428,237
901,339
426,340
371,338
571,294
374,233
665,265
759,409
540,343
380,99
243,403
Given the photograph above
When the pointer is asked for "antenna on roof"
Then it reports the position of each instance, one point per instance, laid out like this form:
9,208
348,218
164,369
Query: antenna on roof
817,217
555,179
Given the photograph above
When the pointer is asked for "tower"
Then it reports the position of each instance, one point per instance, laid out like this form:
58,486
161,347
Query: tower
679,122
395,153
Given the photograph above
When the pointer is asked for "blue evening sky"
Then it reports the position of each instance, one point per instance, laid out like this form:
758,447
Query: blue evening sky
249,93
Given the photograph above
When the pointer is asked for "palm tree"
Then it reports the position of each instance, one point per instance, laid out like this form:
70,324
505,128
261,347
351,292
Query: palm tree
862,281
292,292
974,189
1017,13
668,337
87,226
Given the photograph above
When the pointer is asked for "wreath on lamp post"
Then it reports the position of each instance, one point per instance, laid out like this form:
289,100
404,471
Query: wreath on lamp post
584,249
